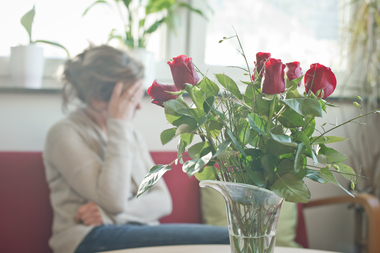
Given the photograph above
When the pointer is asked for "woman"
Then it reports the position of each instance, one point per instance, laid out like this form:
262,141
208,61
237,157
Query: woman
95,161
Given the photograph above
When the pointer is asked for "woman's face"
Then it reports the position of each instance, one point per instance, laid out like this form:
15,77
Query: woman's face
137,96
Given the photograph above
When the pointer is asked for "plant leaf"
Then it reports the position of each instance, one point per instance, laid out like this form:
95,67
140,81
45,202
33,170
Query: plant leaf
167,135
305,106
297,161
229,85
326,139
155,173
92,5
257,123
171,110
206,174
284,140
313,175
291,188
194,166
27,21
327,175
195,150
237,145
54,44
329,155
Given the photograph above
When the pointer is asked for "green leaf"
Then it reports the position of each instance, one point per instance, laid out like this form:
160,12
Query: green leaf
257,123
171,110
285,166
181,147
221,148
326,139
194,166
284,140
261,105
309,130
207,105
54,44
206,174
234,141
249,94
193,113
328,176
167,135
191,122
293,82
155,26
158,5
291,119
298,159
27,21
291,188
329,155
257,177
188,6
347,172
229,85
195,150
313,175
155,173
187,138
243,131
126,3
92,5
215,128
206,88
269,162
305,106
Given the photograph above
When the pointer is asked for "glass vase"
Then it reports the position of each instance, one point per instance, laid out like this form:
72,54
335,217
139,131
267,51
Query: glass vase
252,215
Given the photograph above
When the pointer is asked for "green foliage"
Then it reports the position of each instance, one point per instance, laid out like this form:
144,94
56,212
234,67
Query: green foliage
257,139
27,22
136,26
152,177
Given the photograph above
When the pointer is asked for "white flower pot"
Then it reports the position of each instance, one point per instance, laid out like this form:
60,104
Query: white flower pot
147,58
27,66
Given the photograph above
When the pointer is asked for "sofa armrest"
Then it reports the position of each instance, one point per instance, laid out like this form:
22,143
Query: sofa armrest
371,206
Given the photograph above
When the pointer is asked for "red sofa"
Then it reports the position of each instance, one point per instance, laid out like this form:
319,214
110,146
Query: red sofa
26,215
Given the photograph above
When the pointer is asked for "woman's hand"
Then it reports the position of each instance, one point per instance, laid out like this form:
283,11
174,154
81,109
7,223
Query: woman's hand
123,103
89,214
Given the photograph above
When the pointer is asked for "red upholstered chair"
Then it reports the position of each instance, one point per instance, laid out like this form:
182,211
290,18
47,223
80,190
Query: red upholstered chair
26,215
25,212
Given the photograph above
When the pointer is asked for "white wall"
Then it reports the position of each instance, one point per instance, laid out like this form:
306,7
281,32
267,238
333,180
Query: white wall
25,119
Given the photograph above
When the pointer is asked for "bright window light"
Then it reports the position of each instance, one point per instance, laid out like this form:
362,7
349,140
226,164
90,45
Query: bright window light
292,30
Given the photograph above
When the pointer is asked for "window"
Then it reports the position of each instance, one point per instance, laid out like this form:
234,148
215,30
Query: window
307,31
62,22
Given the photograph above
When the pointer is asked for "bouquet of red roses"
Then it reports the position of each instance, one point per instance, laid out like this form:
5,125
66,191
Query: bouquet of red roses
265,136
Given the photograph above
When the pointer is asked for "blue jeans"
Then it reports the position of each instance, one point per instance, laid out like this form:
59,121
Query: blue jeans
114,237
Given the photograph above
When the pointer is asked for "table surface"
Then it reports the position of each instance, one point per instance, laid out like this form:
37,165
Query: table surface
207,249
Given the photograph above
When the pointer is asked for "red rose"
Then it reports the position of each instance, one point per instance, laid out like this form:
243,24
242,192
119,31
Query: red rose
183,71
273,81
294,71
319,77
259,63
158,93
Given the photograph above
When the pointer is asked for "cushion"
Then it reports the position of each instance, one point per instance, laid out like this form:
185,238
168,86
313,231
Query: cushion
214,213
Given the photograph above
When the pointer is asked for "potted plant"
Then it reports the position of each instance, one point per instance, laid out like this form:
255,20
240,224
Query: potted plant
255,148
140,19
27,61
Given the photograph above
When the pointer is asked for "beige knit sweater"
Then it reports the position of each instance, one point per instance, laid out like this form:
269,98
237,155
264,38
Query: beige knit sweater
83,164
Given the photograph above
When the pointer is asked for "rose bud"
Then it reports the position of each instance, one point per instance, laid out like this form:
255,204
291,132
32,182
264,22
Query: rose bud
183,71
319,77
294,71
273,81
259,64
158,93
